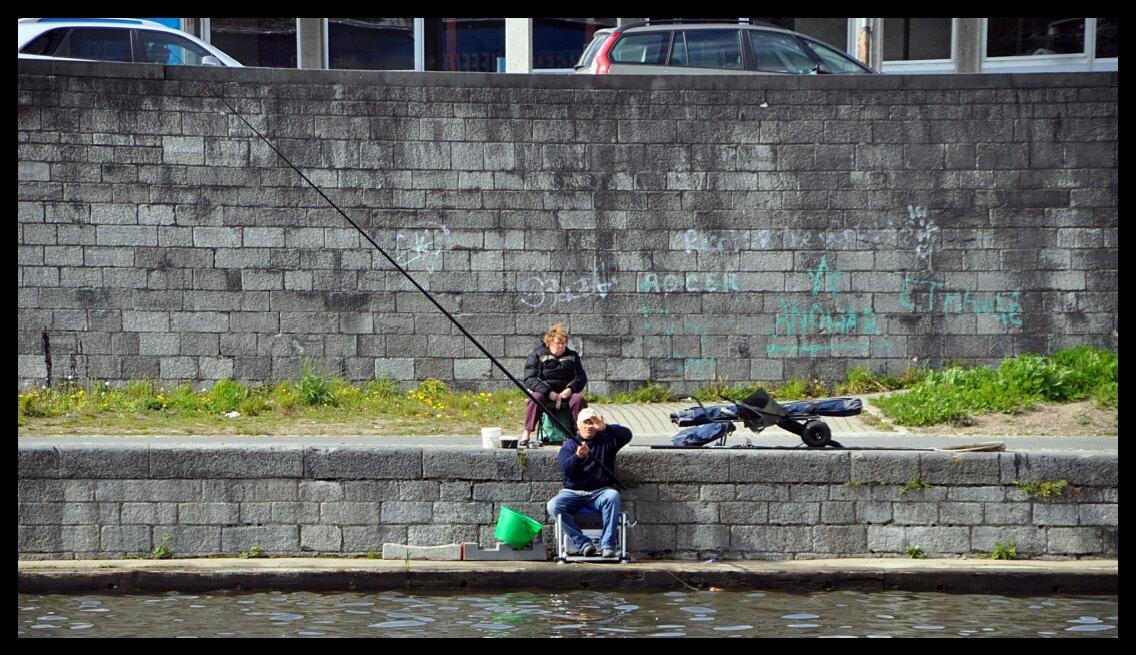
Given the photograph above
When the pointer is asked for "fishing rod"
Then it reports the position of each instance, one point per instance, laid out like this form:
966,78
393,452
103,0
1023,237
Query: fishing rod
570,432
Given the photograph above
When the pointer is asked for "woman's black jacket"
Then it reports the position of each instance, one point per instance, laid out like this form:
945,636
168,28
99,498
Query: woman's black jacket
545,372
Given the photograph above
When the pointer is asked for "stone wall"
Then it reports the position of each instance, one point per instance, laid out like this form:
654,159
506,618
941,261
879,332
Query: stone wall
751,228
97,502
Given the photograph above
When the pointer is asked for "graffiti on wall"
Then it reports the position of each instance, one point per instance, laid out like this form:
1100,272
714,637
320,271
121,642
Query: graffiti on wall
548,291
710,243
920,229
934,296
823,239
843,324
690,282
422,249
660,326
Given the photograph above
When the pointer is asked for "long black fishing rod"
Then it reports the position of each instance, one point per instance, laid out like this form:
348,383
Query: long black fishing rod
570,432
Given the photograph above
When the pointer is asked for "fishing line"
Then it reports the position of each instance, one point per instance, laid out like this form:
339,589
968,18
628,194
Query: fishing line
570,433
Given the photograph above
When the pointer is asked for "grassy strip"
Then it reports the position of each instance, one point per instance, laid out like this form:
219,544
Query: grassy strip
956,394
335,406
328,405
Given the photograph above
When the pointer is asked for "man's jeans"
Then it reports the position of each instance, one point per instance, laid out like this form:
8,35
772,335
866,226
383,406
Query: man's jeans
606,500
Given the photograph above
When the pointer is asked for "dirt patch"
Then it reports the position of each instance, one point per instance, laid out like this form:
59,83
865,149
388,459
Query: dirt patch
1077,419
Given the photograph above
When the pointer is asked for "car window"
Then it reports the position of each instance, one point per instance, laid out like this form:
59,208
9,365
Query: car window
837,61
650,48
779,53
165,48
98,43
710,49
590,51
678,50
46,43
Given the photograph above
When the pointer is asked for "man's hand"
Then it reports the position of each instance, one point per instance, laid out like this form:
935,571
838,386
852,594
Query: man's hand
582,450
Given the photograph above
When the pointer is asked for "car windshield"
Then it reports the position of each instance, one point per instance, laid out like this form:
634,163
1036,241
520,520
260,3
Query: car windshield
779,53
837,61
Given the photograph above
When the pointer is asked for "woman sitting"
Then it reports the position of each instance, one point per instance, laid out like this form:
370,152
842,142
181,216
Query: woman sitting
555,373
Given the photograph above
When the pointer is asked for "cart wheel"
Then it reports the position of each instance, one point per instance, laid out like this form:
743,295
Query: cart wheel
817,434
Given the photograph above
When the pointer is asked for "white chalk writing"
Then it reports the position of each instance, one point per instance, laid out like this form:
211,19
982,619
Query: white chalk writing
539,291
422,249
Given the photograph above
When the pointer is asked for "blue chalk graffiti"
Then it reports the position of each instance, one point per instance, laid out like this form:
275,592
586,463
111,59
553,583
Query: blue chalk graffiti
825,317
692,282
1005,306
675,361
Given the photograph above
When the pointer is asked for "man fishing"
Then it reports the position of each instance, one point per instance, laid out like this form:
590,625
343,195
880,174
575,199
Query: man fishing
587,481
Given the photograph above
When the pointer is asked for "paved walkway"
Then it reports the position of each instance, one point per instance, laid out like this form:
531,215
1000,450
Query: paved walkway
651,425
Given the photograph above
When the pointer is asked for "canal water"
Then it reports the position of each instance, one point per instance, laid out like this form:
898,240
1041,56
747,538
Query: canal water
571,614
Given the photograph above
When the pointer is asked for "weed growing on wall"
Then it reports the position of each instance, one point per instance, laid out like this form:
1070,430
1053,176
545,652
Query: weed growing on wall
1005,551
1041,489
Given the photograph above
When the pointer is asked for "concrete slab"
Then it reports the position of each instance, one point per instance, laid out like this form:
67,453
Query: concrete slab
945,575
442,553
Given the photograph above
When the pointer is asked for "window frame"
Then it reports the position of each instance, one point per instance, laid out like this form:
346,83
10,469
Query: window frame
1058,63
207,37
925,65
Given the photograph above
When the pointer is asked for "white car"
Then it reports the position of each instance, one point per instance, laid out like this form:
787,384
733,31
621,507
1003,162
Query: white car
114,39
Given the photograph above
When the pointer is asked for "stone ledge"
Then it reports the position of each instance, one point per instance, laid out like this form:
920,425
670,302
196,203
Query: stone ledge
545,81
946,575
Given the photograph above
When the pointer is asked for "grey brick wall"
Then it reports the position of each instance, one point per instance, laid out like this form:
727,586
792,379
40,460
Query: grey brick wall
751,228
688,505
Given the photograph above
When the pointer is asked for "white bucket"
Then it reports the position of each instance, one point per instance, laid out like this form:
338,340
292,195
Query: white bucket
490,437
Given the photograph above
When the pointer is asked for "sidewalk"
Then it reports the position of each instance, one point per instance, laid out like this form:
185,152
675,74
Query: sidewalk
649,422
313,574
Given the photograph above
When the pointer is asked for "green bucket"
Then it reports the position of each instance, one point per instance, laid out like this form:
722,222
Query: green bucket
515,528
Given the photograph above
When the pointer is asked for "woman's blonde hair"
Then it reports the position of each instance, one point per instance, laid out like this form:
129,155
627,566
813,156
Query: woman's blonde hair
556,333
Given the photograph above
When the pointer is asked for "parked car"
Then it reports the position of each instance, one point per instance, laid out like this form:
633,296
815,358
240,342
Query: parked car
685,47
114,39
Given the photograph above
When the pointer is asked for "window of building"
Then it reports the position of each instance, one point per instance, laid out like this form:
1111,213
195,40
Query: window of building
1032,37
833,31
1029,45
464,44
558,42
1108,38
267,42
916,39
370,43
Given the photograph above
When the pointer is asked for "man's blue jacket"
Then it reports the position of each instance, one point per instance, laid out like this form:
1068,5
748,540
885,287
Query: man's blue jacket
585,474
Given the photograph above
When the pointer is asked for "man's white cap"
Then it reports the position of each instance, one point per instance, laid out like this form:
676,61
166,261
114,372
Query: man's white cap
588,413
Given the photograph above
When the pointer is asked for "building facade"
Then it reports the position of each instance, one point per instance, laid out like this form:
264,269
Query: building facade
552,45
